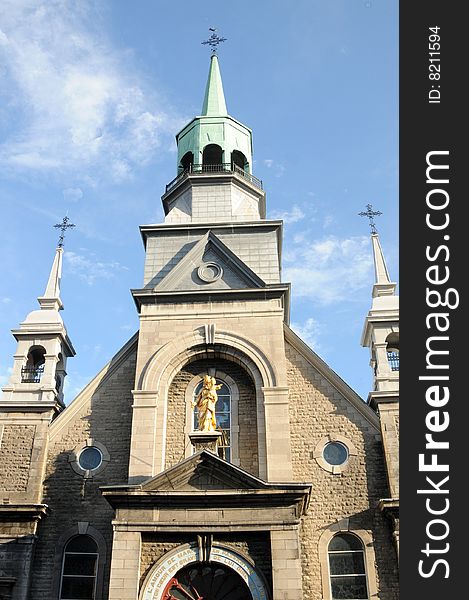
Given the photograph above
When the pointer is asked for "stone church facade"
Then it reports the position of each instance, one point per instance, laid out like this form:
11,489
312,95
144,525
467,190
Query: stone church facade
119,497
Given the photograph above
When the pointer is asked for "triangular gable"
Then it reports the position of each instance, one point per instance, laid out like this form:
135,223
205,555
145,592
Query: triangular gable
331,376
190,273
203,471
128,350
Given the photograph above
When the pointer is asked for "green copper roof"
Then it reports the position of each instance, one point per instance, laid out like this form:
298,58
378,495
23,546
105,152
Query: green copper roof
214,101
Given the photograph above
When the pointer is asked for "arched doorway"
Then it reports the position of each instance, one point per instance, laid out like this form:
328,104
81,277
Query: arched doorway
181,575
206,582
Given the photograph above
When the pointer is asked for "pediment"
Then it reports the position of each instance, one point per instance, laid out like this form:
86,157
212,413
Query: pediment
203,471
210,264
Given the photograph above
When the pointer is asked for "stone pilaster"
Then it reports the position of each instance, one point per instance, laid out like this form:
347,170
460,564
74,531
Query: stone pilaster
125,565
277,433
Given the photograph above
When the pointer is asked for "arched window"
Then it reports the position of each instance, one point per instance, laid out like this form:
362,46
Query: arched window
392,349
239,160
79,569
187,161
347,568
34,367
223,417
212,155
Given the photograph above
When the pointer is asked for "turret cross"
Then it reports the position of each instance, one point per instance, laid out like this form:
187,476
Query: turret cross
214,40
63,227
370,213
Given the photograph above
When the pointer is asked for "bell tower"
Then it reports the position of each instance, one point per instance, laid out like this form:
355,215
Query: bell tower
30,401
212,274
381,336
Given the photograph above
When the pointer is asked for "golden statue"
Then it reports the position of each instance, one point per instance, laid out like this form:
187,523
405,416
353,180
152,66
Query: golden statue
205,402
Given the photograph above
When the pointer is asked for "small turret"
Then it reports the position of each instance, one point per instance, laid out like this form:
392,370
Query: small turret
38,373
381,336
381,330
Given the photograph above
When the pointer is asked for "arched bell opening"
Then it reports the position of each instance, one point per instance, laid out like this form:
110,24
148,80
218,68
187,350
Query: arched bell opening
392,349
239,160
33,369
212,155
60,374
186,162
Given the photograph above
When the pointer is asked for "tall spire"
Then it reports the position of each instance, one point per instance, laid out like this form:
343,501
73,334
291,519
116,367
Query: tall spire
214,101
383,285
51,298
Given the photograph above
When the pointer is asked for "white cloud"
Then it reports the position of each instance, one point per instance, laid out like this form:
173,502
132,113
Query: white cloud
329,270
278,167
309,332
76,103
5,300
288,217
89,269
73,194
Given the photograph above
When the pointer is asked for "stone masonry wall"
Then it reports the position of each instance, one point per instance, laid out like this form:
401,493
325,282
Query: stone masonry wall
154,546
104,417
175,436
317,410
16,445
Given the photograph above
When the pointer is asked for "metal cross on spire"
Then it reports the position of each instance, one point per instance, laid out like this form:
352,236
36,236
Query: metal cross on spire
214,40
63,228
370,213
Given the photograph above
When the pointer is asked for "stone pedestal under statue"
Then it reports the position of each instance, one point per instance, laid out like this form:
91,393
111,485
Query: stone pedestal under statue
205,440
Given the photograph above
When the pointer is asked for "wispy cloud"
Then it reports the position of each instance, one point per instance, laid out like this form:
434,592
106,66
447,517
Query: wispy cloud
77,105
309,332
329,270
292,216
72,194
89,269
279,168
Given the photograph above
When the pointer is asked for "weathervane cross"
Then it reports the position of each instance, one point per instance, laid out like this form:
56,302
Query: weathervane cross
214,40
370,213
63,228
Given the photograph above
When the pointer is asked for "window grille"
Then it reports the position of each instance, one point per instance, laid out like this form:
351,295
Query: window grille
393,359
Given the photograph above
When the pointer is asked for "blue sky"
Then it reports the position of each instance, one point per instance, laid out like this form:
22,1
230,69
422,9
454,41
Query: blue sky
92,95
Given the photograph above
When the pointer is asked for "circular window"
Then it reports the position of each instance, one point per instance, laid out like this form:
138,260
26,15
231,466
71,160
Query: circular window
90,458
209,272
335,453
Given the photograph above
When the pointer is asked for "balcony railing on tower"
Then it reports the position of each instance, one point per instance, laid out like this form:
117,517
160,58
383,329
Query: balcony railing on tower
200,169
32,374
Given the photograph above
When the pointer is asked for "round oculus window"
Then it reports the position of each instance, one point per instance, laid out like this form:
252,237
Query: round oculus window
90,458
335,453
209,272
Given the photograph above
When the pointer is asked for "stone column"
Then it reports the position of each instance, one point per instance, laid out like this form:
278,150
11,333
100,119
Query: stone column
286,565
277,434
125,565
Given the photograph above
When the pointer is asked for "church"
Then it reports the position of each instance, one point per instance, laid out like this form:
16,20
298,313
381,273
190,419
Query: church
216,456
